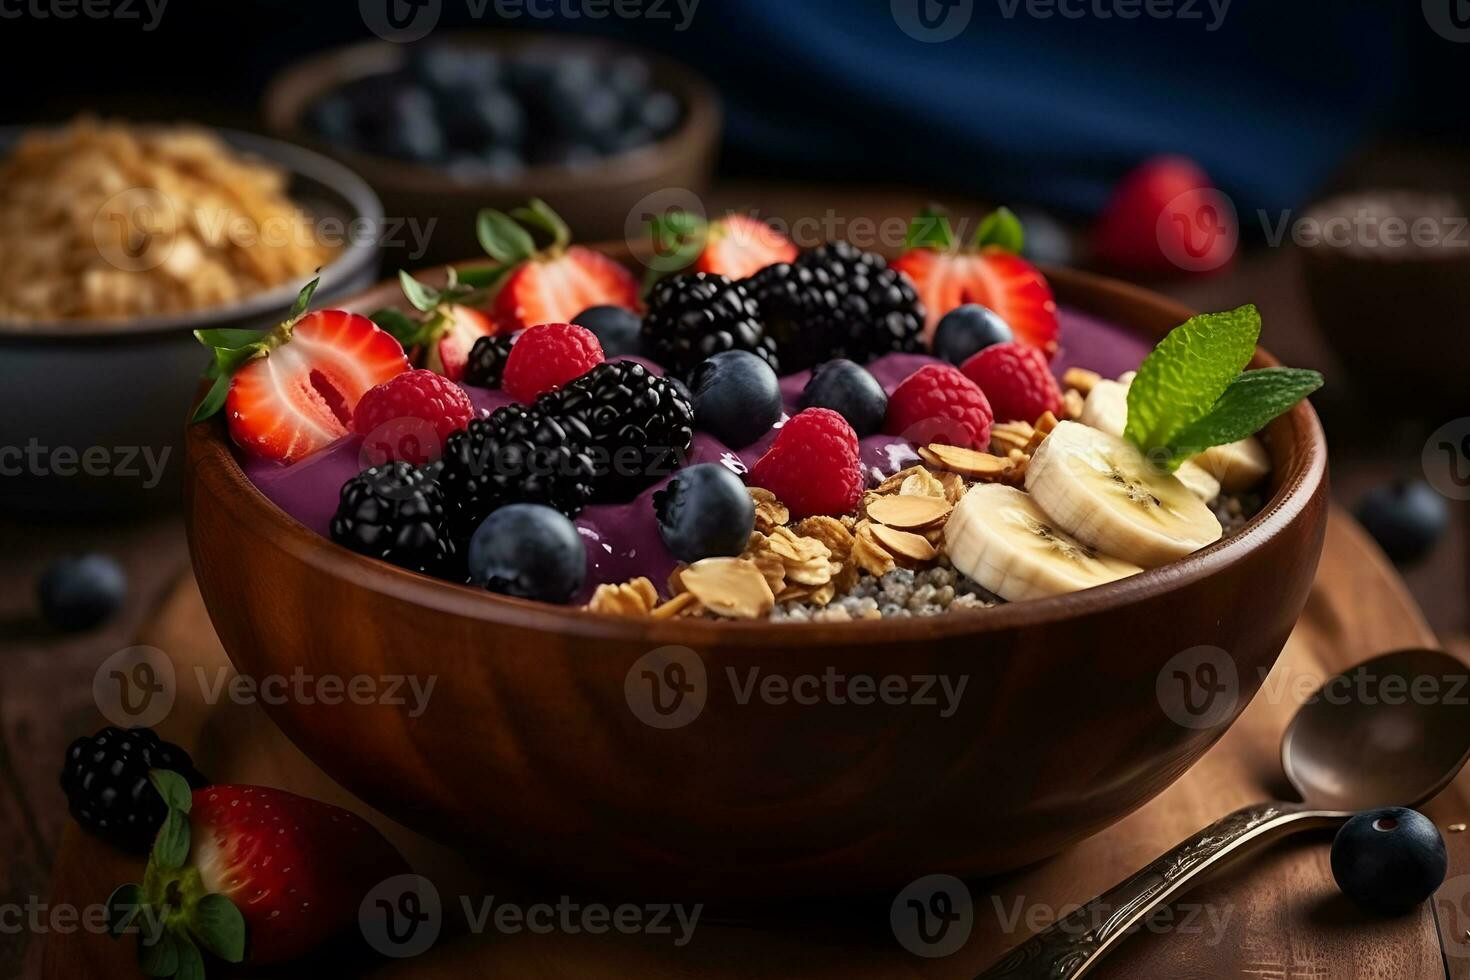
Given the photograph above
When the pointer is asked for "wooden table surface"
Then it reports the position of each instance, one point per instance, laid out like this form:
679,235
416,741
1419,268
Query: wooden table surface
45,697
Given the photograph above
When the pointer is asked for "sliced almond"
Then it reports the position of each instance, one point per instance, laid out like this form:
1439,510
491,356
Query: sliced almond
966,462
674,606
1080,378
633,598
1005,436
1072,403
909,513
954,486
904,545
869,555
731,587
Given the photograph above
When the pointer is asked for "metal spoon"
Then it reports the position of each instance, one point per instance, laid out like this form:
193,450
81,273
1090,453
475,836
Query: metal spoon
1390,732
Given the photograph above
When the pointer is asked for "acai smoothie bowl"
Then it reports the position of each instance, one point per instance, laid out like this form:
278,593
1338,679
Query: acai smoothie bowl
568,492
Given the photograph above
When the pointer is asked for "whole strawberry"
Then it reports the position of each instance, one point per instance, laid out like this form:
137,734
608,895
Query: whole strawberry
1017,381
939,404
1166,218
546,357
813,466
409,416
250,874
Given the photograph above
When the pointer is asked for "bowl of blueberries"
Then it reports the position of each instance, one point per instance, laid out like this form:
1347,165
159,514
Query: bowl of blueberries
470,120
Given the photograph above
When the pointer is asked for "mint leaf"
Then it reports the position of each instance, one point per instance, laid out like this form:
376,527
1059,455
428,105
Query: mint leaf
173,788
1180,381
1252,399
930,229
220,928
1002,229
502,238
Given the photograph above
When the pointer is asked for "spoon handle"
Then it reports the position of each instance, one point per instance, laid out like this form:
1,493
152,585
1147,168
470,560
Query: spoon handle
1075,943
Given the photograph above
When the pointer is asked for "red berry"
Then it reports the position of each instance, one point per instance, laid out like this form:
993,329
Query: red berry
546,357
409,416
1017,381
939,404
1165,217
813,466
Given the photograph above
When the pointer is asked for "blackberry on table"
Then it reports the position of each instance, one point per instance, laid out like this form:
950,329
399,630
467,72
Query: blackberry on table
837,301
486,365
641,425
105,779
694,316
396,512
517,455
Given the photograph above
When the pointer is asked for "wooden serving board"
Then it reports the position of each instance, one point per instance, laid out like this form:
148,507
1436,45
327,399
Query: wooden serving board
1278,916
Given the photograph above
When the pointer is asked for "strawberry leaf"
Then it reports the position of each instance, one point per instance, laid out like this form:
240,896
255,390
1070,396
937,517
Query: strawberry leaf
404,328
1252,399
482,277
191,963
1001,229
537,214
423,297
158,955
678,239
173,788
229,337
1183,377
171,846
502,238
930,229
303,298
123,906
219,927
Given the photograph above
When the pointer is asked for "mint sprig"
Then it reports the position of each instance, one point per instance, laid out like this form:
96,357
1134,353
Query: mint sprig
1193,392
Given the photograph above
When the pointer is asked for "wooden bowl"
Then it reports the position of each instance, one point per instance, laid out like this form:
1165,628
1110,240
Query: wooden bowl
530,754
595,201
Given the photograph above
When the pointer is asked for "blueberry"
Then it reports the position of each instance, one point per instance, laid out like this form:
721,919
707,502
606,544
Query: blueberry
629,74
737,397
415,133
659,111
618,329
530,551
82,591
334,119
967,329
704,512
1405,517
1389,860
850,391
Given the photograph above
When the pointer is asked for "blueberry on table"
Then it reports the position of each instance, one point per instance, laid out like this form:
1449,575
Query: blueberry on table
737,397
530,551
849,390
1389,860
967,330
704,512
1406,518
82,591
616,328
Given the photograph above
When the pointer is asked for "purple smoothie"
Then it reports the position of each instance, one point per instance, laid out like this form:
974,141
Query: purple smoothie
622,539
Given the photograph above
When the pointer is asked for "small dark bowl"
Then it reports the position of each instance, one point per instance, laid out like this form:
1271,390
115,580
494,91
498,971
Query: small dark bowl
539,749
595,201
118,388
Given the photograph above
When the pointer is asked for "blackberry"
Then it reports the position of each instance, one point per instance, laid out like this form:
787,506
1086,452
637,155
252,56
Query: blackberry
641,424
517,455
396,512
694,316
105,779
487,361
837,301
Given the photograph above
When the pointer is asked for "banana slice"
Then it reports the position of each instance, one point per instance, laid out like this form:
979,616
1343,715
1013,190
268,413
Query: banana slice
1106,408
1237,465
1101,490
1001,539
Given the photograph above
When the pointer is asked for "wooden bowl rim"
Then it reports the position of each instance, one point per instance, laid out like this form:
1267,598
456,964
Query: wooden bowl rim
210,457
290,91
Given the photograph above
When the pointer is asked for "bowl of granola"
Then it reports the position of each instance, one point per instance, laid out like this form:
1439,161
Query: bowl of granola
796,574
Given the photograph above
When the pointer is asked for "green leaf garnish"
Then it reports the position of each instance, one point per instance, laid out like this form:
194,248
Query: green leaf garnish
678,239
930,228
158,955
191,964
423,297
220,927
303,298
1190,392
502,237
1001,229
537,214
171,846
173,788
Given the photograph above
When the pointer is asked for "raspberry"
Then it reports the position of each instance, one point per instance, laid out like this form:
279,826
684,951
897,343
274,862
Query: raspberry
939,404
409,416
1017,380
546,357
813,465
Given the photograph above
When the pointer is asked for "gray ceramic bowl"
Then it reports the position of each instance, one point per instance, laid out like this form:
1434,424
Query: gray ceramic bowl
92,413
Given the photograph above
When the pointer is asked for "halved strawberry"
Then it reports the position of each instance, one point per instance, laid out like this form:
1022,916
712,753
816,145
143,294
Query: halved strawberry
291,391
739,246
989,272
441,338
462,327
250,874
